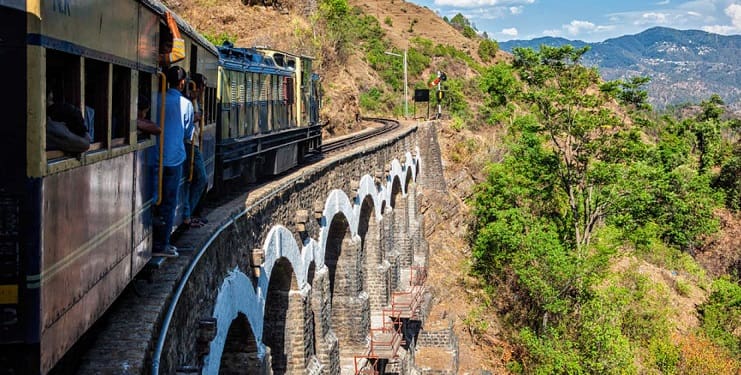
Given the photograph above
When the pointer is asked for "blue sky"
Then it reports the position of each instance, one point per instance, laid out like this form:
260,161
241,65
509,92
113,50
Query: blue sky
589,20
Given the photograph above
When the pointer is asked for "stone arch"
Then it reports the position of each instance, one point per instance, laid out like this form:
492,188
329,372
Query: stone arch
400,230
240,350
283,320
369,231
350,319
236,296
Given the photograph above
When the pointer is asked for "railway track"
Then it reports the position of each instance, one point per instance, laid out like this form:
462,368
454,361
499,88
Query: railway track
345,142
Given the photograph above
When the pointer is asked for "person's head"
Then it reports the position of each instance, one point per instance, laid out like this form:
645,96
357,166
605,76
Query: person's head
176,77
49,98
197,82
143,106
200,81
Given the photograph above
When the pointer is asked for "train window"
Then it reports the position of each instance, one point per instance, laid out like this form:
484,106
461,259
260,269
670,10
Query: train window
63,77
210,99
62,85
145,90
193,58
121,106
96,102
289,91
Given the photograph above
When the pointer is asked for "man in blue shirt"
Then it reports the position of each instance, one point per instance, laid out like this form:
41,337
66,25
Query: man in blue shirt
178,127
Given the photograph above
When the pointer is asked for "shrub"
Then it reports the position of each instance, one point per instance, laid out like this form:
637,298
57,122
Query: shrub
700,356
488,49
370,100
721,314
219,39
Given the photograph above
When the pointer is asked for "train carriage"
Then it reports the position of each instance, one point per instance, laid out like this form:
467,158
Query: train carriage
75,228
268,118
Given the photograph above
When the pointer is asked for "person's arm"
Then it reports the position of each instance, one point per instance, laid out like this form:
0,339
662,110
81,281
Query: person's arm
147,126
178,44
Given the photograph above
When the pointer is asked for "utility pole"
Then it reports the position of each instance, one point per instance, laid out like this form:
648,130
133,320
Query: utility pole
406,92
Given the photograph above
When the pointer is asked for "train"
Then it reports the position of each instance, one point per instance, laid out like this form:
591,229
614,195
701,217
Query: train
76,227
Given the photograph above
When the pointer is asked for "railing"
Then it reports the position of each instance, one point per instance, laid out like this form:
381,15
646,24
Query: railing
408,302
362,368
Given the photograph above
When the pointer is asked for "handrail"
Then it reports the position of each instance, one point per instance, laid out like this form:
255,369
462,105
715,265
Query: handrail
163,93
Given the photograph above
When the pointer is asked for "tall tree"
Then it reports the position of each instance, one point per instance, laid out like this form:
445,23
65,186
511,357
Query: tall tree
573,114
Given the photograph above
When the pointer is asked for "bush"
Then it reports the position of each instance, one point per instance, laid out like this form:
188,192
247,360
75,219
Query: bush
729,180
370,100
721,315
219,39
488,49
700,356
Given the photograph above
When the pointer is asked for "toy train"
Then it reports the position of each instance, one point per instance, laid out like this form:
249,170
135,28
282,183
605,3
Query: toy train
76,228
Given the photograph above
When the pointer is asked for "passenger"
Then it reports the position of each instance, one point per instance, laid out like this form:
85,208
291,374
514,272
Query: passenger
65,127
172,46
194,160
143,125
178,127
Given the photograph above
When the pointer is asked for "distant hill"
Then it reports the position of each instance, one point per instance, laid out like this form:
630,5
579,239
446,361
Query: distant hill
685,65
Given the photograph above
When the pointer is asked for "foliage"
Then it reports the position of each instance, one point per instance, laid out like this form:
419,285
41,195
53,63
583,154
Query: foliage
577,184
721,315
729,180
388,21
488,49
455,99
370,100
698,355
336,16
220,38
577,123
462,24
631,93
500,83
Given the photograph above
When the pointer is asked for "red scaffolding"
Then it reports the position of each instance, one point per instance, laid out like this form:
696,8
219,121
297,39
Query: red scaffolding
386,340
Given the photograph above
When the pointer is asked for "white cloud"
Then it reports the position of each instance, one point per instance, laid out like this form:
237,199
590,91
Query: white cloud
515,10
512,31
652,18
578,29
664,2
733,11
694,14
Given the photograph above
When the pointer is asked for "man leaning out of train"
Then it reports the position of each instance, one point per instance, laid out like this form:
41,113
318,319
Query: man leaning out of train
178,127
65,127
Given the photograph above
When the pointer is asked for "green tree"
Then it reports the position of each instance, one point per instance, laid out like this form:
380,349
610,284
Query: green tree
631,93
500,83
461,23
488,49
576,120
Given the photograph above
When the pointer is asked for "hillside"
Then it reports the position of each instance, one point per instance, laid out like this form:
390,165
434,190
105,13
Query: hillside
685,65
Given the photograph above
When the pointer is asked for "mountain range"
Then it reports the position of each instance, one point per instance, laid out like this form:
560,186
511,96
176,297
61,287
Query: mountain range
684,65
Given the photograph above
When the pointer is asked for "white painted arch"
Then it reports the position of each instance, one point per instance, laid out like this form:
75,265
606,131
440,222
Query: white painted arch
237,293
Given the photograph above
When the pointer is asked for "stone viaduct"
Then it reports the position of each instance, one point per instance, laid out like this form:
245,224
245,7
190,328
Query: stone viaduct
303,278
